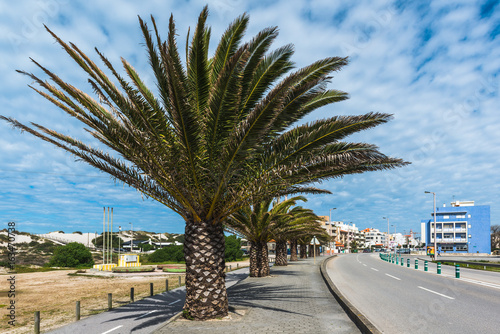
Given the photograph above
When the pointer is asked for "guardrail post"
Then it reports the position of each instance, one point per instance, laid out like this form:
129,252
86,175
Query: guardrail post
397,259
408,263
439,268
457,271
166,285
110,301
416,263
402,262
37,322
77,311
426,265
131,295
237,265
151,293
180,281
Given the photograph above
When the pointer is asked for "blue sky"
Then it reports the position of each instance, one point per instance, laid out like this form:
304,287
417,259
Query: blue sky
433,64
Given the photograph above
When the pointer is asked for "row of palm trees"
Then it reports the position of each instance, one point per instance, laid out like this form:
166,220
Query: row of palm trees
282,221
215,140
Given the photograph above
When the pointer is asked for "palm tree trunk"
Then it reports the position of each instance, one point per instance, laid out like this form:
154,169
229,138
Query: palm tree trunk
303,251
281,256
206,296
259,260
293,250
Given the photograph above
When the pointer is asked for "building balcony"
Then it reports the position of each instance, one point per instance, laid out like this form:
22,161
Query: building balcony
449,240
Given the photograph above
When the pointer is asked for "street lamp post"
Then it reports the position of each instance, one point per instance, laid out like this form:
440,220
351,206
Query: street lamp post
331,227
395,242
435,227
132,241
349,237
119,230
387,231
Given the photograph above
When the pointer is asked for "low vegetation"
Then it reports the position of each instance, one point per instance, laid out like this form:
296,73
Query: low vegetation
72,255
141,269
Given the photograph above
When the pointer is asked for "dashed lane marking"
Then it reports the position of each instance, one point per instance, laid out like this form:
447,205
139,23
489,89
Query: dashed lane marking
437,293
112,329
399,279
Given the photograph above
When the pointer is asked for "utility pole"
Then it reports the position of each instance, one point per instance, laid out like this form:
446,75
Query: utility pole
387,231
435,227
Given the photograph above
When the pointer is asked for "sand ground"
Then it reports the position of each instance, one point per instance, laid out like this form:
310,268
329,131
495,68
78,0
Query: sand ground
55,293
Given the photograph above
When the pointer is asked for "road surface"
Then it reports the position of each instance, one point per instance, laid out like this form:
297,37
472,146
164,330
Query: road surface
398,299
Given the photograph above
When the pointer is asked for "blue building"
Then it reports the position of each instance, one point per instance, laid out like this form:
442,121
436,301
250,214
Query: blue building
461,228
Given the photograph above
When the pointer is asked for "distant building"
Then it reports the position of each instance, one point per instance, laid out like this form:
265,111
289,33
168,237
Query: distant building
374,238
461,228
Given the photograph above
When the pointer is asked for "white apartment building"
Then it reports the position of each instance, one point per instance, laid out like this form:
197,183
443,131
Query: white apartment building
375,238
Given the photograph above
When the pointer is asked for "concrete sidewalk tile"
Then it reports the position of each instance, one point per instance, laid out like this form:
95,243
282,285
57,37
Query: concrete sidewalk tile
294,299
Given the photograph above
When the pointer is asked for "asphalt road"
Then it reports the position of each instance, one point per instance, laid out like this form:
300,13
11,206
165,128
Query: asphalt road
398,299
142,316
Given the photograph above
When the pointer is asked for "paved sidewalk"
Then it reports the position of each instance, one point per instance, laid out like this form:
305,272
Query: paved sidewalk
295,299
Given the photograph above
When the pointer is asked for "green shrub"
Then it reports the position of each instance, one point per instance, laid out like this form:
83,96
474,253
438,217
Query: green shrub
233,248
169,253
133,269
73,255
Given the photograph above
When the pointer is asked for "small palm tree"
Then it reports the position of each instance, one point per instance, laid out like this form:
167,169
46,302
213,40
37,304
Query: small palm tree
297,222
217,133
257,224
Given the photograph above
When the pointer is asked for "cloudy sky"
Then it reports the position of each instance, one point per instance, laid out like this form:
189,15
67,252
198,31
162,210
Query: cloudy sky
433,64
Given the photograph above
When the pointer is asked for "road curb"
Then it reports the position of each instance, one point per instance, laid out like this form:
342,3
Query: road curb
363,324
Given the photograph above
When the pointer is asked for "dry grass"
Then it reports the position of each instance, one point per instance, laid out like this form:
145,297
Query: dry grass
54,294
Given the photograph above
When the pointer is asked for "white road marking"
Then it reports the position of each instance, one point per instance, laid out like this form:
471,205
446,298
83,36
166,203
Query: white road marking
437,293
178,300
399,279
374,269
145,314
112,329
364,264
488,284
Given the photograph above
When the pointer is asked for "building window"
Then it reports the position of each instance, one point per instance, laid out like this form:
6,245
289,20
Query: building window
446,248
461,247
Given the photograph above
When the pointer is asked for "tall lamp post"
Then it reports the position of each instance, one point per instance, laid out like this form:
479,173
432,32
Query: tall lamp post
435,227
132,241
331,227
119,230
387,230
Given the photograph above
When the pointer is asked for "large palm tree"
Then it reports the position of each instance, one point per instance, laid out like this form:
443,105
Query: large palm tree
213,133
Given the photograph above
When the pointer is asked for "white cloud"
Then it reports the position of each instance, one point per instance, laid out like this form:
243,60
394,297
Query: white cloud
443,92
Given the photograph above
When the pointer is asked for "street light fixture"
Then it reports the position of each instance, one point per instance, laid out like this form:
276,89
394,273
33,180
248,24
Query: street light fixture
132,241
119,231
387,231
435,227
331,227
330,221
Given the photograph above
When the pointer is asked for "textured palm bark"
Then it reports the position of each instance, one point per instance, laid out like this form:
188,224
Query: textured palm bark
293,250
259,259
206,296
303,251
281,256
